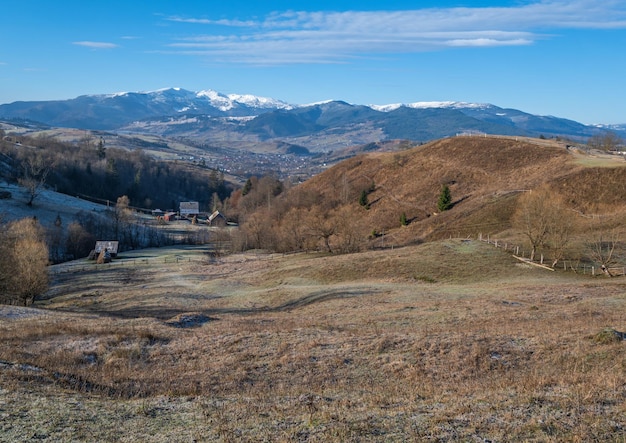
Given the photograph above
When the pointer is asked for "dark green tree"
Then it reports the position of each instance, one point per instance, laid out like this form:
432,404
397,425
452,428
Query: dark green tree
445,199
403,220
247,187
100,149
363,200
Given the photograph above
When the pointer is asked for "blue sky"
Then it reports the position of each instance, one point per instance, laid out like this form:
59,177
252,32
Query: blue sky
547,57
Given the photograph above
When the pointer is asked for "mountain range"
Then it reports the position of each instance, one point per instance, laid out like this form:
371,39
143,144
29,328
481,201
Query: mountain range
212,117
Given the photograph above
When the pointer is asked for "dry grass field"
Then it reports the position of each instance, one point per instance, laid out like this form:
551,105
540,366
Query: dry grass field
447,341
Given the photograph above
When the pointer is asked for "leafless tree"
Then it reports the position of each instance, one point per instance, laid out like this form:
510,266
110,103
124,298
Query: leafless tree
602,248
544,219
23,261
35,170
321,225
532,219
605,141
561,225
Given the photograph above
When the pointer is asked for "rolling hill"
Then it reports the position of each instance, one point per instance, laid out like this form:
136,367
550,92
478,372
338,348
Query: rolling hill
486,175
447,340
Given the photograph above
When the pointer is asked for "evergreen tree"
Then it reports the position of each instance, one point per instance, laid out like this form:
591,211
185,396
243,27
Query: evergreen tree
445,199
403,220
100,150
363,200
247,187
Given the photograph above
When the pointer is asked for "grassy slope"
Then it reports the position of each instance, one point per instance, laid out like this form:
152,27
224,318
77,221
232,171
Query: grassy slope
450,340
485,175
446,341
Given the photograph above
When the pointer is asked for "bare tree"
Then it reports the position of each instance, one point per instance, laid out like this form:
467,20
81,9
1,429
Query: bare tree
532,219
602,247
35,170
293,233
544,219
349,232
561,224
23,261
78,242
605,141
321,226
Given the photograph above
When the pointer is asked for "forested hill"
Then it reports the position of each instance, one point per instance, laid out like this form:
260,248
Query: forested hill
104,174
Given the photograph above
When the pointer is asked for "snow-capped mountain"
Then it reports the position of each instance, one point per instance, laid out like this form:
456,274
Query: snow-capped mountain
430,105
176,111
110,111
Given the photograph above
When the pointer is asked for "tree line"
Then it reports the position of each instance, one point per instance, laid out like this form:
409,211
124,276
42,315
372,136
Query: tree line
102,173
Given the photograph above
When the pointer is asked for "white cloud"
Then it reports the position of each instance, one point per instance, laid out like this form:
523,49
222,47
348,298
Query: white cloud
222,22
331,37
96,45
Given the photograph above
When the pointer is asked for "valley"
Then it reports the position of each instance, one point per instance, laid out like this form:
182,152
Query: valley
344,305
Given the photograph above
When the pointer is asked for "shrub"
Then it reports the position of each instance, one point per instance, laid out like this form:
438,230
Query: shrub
23,261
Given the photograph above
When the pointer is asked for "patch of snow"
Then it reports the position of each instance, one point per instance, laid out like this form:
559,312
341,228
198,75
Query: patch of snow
430,105
258,102
239,119
45,207
323,102
183,121
386,108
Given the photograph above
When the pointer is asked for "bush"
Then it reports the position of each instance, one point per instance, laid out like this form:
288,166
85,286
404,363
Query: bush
23,262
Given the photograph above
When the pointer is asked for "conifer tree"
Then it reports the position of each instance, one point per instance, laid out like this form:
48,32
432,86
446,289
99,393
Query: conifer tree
363,200
445,199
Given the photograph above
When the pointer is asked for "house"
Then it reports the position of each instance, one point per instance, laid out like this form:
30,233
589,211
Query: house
110,246
217,219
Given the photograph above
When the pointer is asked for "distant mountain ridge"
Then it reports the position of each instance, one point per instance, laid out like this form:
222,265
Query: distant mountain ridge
176,111
111,111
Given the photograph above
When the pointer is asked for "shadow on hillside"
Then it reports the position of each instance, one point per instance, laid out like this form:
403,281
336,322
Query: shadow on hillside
166,314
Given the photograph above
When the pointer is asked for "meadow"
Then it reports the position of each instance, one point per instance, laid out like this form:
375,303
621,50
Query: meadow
452,340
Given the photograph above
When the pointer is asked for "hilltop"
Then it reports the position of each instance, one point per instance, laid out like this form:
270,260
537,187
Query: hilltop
486,176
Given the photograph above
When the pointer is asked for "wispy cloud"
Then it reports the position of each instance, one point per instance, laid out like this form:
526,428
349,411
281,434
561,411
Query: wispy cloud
96,45
221,22
333,37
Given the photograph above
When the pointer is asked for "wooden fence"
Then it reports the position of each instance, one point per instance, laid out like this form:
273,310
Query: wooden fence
575,266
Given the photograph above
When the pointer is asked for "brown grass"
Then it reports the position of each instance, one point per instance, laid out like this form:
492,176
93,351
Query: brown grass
450,341
485,175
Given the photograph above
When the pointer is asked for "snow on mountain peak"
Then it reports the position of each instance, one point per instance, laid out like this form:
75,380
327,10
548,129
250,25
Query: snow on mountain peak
430,105
226,102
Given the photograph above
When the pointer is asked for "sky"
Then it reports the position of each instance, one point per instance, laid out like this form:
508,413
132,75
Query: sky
545,57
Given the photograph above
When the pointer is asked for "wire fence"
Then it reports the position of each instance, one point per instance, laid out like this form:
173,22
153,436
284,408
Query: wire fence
576,266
